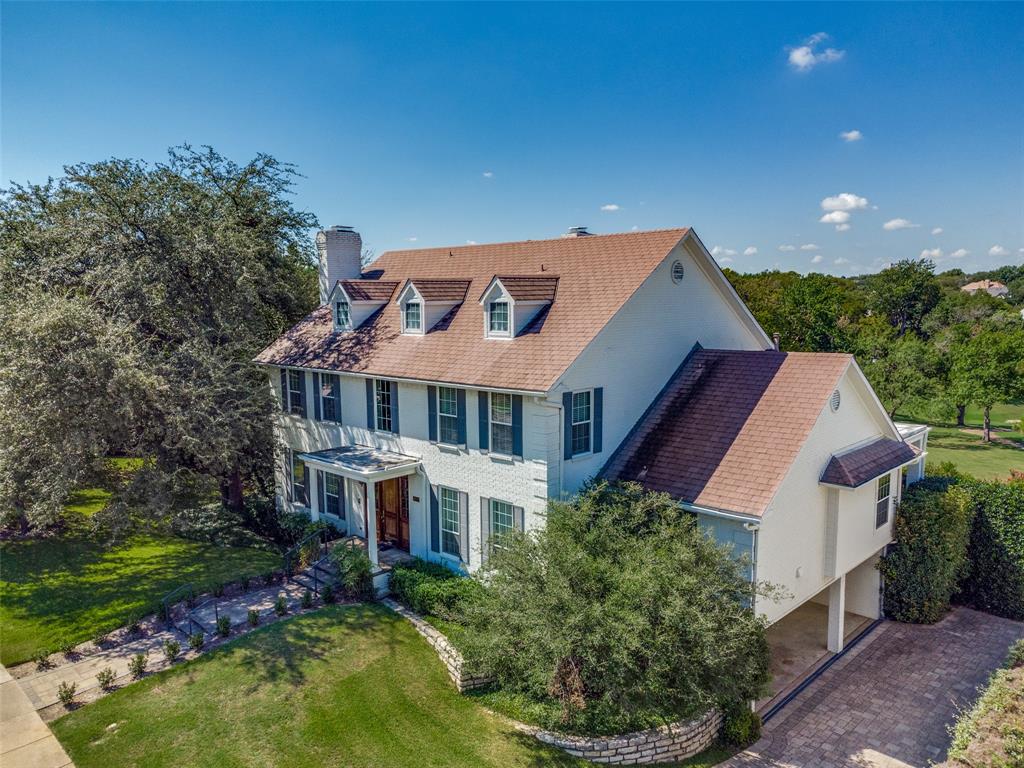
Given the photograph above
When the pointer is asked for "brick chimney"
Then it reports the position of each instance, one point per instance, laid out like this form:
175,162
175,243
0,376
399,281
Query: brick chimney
341,250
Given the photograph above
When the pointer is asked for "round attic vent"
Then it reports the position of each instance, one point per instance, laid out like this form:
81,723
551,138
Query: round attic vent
677,271
833,402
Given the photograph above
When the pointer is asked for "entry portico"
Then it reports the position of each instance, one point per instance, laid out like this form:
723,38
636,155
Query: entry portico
346,481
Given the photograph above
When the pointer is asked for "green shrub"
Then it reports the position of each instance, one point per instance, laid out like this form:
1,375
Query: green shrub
172,649
741,727
67,648
135,624
100,639
307,599
994,579
280,605
218,589
433,590
269,578
137,665
42,659
253,617
223,626
105,677
925,565
163,612
196,641
1016,657
355,572
245,582
327,594
66,693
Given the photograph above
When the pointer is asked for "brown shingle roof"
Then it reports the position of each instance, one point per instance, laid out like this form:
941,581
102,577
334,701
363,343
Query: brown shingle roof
856,467
368,290
530,288
728,425
441,290
596,276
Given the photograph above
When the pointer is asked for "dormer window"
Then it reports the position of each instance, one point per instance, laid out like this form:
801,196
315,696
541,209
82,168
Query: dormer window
424,302
413,317
353,302
342,314
498,318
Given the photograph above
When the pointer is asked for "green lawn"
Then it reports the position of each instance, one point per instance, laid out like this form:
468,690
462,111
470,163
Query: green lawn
70,586
984,461
347,685
1001,416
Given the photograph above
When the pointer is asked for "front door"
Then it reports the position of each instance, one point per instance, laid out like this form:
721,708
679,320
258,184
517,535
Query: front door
393,512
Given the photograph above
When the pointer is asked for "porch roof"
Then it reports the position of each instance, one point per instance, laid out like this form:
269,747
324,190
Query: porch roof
363,461
854,468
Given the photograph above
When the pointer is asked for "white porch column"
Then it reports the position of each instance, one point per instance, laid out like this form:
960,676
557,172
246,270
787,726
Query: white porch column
314,496
371,520
836,614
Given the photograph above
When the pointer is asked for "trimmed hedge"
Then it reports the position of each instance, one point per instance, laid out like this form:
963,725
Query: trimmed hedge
431,589
923,569
994,579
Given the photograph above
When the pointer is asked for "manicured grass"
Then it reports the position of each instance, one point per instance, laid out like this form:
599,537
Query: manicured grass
69,586
1002,414
989,461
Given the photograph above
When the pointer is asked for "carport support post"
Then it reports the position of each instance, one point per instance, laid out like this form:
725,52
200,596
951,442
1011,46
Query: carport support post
836,614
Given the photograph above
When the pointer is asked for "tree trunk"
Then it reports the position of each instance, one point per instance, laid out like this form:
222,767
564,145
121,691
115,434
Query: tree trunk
988,425
232,490
961,410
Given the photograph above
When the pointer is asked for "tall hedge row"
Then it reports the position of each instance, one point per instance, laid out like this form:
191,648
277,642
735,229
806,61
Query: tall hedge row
994,580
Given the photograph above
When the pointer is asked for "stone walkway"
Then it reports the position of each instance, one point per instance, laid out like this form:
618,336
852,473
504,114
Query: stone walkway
25,741
41,687
888,702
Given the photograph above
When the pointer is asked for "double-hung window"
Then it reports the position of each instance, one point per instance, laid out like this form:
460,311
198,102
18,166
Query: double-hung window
333,487
448,415
497,318
299,480
413,318
382,397
448,509
884,499
294,392
342,314
328,402
502,521
501,423
582,420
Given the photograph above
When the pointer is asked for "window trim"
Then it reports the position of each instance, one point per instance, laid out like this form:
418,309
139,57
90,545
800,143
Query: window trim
295,390
491,304
340,495
491,424
347,326
589,422
491,513
438,416
879,499
298,490
328,398
406,328
457,554
381,387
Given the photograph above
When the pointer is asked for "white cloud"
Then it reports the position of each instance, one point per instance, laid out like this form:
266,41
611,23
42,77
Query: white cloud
750,251
488,174
894,224
853,135
937,231
931,253
835,217
471,242
787,248
998,250
842,227
959,253
610,207
725,260
720,251
818,258
841,260
809,247
844,201
412,239
805,57
634,228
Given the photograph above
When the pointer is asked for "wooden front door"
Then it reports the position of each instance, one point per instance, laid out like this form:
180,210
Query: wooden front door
393,512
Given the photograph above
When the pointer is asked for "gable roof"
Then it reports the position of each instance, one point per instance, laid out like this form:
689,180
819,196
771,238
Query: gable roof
597,274
726,428
441,290
368,290
523,288
854,468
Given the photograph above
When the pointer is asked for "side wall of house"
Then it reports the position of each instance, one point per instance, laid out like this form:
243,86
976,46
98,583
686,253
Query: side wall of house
634,355
798,548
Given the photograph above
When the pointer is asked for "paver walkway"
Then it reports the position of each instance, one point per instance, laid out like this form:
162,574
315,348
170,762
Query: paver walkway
25,741
889,701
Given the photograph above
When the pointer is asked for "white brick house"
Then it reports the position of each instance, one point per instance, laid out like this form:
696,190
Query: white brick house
454,391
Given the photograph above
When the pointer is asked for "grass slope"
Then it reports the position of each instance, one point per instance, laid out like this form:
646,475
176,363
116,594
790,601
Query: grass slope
70,586
990,461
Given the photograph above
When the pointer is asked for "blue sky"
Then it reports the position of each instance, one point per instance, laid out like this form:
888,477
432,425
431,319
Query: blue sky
442,124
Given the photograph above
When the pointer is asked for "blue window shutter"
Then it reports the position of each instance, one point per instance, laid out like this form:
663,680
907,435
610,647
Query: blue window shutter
598,405
432,413
316,397
394,406
483,401
517,425
284,390
518,519
460,401
567,425
464,526
371,414
305,484
302,395
485,527
321,496
336,391
342,483
435,521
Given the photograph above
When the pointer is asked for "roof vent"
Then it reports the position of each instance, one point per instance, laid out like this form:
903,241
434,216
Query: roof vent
833,402
577,232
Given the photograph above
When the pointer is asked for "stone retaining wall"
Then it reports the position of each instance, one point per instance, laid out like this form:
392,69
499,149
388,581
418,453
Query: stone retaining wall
449,655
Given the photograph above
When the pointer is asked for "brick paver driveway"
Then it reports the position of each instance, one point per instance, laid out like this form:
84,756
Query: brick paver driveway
889,701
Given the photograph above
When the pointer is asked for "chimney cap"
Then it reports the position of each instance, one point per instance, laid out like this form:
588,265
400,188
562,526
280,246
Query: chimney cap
340,228
576,232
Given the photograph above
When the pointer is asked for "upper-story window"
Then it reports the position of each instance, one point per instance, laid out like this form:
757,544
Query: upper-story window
884,500
413,316
382,397
502,521
342,314
498,318
581,422
328,399
448,415
501,423
295,384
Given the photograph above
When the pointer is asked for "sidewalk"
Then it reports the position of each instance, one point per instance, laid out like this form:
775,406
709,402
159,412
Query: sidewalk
25,741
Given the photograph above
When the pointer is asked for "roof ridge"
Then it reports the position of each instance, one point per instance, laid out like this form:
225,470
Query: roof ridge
559,239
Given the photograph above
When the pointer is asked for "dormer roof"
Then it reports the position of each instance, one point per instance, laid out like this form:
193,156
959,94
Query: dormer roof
378,291
526,287
441,291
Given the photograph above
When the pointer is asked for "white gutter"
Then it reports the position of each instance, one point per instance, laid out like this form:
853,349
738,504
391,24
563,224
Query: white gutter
753,520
